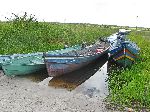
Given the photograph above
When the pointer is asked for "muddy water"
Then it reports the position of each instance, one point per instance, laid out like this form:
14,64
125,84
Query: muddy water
89,80
96,85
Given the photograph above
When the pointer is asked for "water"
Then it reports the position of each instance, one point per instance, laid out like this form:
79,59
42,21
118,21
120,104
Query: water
89,80
96,85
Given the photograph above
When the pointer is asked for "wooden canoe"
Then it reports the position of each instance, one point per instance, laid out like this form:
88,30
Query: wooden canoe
24,64
123,51
4,58
29,63
67,62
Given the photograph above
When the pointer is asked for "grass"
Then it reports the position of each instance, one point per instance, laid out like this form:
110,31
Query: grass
131,87
25,34
128,87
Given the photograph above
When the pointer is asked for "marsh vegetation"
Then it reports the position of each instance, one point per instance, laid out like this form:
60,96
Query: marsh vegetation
24,34
129,87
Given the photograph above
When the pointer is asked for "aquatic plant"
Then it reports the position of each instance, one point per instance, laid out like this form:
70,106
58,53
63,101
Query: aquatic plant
24,34
130,87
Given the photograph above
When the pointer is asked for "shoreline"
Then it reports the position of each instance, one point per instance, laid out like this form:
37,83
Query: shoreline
22,94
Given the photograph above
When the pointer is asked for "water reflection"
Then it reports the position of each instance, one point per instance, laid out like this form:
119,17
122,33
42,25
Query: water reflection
96,85
37,76
90,80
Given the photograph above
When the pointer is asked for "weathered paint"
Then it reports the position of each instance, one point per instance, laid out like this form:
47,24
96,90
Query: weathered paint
22,64
123,54
4,58
123,51
68,62
126,56
13,70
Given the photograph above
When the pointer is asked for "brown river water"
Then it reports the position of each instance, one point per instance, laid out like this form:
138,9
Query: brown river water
89,80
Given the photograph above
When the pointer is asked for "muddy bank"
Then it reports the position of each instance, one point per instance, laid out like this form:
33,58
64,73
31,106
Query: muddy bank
82,91
21,94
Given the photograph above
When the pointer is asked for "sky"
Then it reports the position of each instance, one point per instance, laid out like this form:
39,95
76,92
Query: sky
111,12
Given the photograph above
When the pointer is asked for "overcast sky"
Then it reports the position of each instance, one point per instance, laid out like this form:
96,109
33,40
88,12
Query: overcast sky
115,12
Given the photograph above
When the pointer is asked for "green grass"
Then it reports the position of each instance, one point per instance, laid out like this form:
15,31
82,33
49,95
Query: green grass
128,87
131,87
25,34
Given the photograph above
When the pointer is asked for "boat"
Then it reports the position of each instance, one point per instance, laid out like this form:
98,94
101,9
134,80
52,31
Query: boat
64,63
22,64
3,58
122,51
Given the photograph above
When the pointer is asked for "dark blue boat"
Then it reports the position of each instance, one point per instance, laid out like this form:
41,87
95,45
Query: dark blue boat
63,63
122,50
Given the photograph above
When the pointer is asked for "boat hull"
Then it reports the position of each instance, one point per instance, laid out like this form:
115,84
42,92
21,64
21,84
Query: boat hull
4,58
23,64
13,70
59,65
57,69
124,57
122,51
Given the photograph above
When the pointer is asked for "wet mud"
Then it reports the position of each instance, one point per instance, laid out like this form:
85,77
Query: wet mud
89,80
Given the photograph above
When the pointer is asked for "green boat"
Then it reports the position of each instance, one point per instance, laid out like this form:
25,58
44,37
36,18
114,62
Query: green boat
23,65
3,58
29,63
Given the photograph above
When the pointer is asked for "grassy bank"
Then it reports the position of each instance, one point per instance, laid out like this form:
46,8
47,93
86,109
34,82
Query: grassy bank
128,88
131,87
25,34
